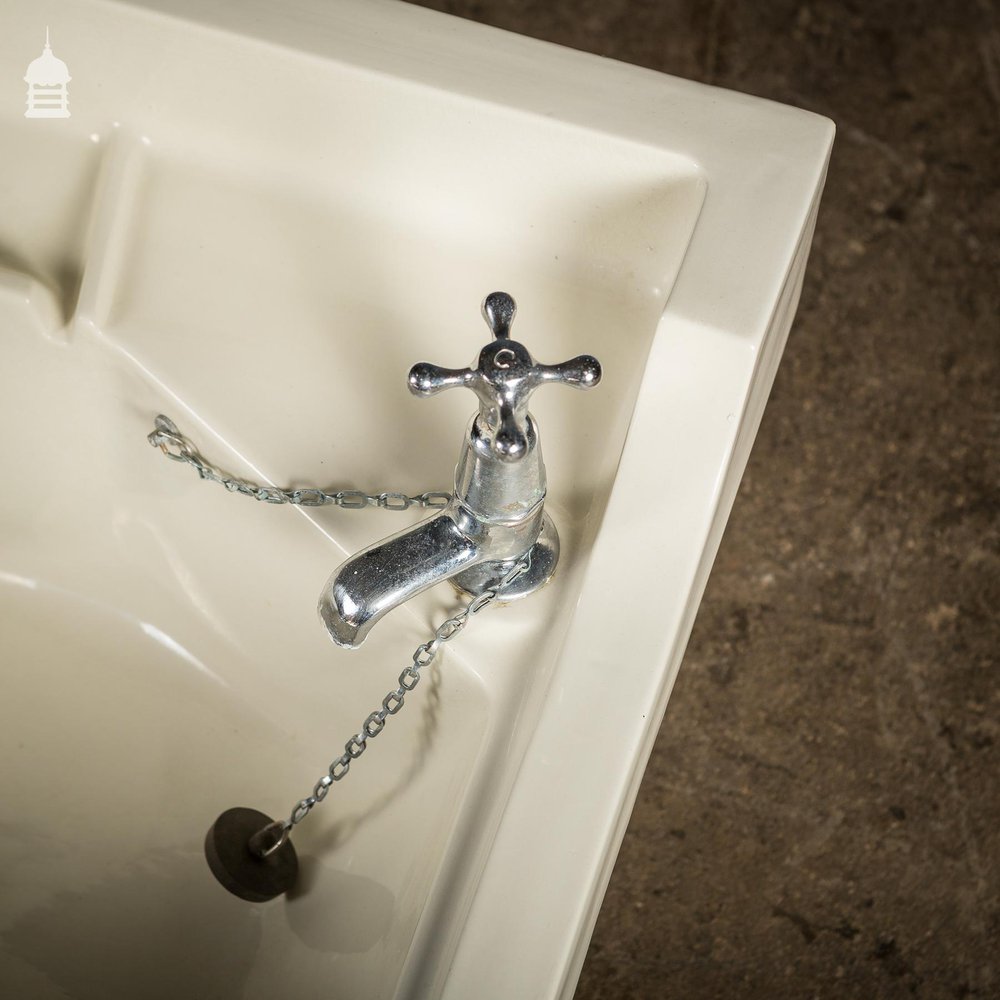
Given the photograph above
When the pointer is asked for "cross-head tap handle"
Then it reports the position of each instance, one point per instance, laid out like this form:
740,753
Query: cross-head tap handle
504,379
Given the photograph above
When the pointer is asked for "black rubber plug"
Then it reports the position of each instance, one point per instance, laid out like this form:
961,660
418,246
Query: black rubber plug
243,873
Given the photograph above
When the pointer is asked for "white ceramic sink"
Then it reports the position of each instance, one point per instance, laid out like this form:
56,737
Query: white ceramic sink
255,221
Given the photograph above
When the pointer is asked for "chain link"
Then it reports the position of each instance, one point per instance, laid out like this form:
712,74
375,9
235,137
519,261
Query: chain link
175,445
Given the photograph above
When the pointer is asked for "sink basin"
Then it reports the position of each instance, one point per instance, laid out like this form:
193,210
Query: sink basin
255,224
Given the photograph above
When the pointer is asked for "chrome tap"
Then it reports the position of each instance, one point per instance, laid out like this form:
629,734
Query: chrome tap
496,513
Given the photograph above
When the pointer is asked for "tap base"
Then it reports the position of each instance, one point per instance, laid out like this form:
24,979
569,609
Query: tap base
544,556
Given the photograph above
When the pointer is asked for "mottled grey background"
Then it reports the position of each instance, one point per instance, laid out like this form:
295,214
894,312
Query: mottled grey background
820,814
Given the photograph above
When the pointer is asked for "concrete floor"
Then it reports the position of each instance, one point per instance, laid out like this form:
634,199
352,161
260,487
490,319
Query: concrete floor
819,817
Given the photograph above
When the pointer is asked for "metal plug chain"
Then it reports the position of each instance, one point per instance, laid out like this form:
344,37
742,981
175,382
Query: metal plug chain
269,839
175,445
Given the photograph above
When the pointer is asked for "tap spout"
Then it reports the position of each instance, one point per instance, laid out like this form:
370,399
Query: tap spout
384,575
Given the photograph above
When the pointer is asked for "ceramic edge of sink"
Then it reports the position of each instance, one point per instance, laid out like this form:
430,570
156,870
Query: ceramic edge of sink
702,124
605,765
595,776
